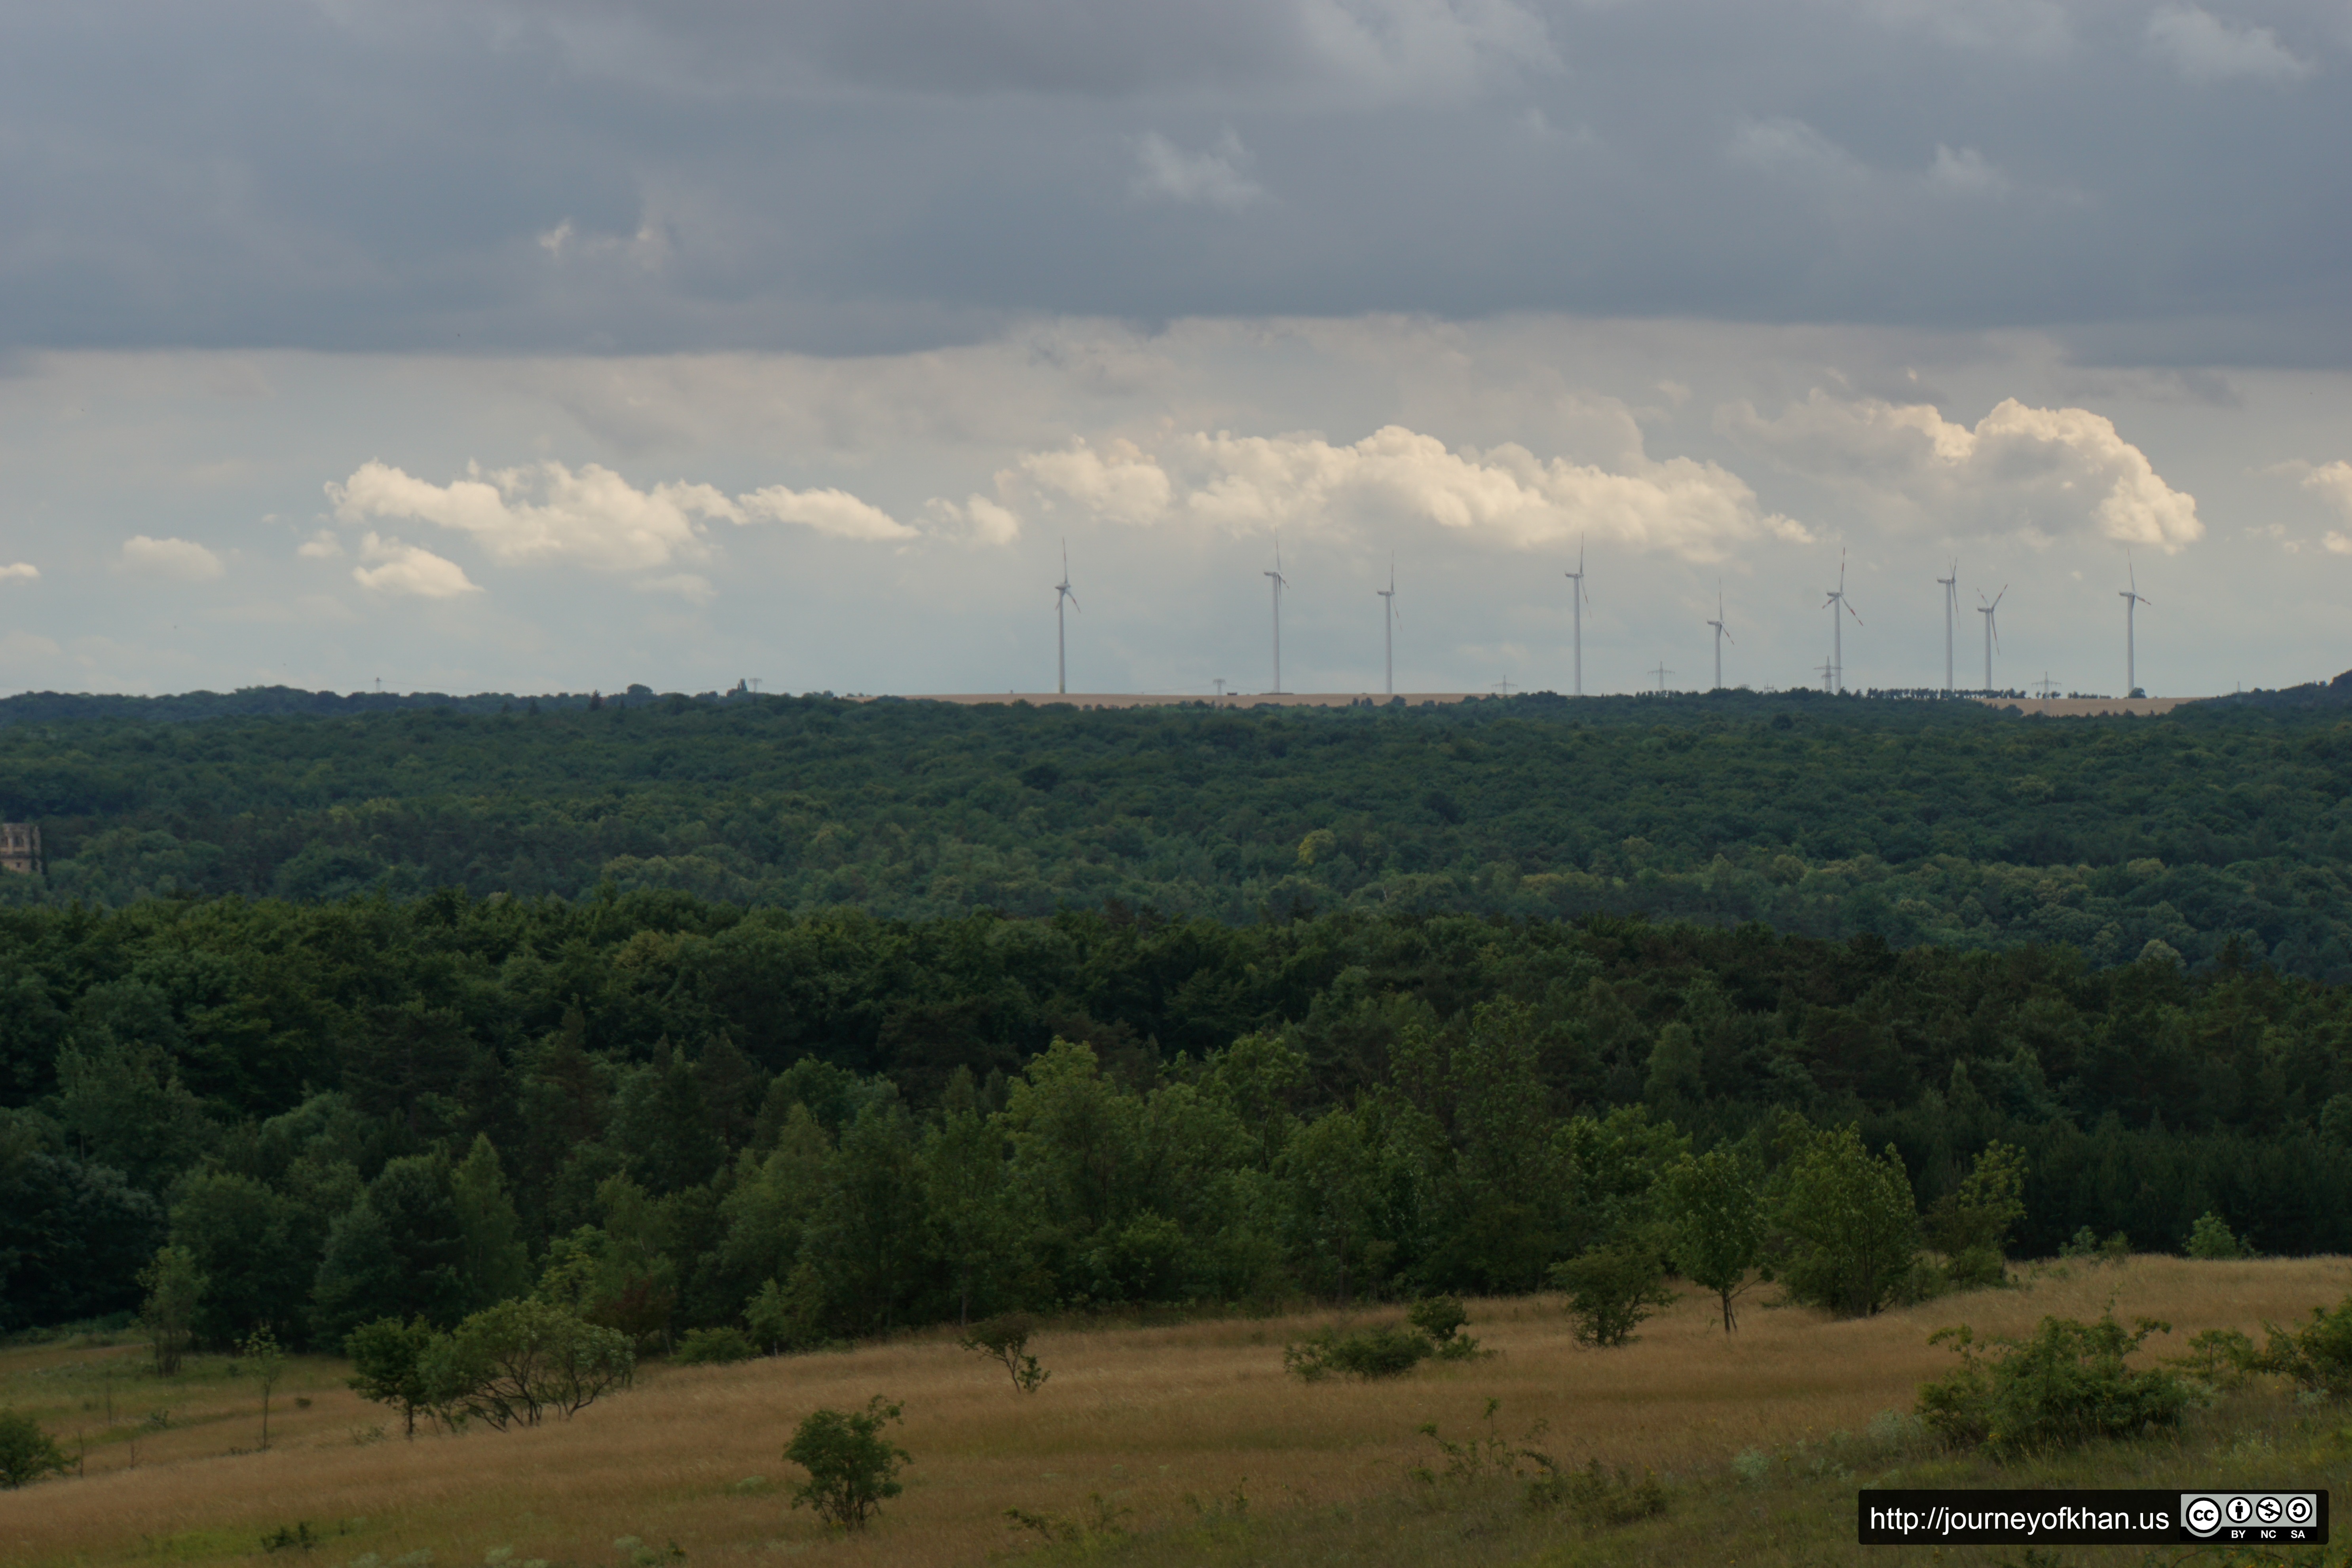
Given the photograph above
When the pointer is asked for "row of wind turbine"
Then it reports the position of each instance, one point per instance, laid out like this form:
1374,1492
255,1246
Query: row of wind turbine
1832,673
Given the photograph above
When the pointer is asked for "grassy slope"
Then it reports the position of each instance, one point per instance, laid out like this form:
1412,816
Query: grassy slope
1164,1423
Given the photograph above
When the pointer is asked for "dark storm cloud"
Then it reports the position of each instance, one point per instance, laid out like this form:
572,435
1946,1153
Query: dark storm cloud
2162,181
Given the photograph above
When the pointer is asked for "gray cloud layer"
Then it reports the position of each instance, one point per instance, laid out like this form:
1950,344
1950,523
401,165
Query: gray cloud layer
2155,182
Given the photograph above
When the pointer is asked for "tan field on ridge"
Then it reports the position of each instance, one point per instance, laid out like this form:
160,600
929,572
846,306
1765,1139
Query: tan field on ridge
1141,1417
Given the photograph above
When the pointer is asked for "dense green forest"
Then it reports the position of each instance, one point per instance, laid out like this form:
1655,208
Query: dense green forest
817,1017
1943,823
687,1113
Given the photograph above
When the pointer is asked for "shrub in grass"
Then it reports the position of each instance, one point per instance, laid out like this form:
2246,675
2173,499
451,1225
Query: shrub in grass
26,1452
2064,1385
852,1466
1442,1317
2220,1358
2087,1246
2318,1356
1598,1496
1388,1352
1610,1290
2210,1237
713,1347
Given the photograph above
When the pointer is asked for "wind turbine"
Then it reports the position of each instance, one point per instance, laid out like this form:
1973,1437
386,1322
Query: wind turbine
1280,582
1951,611
2132,602
1992,637
1576,601
1388,632
1063,595
1719,635
1833,604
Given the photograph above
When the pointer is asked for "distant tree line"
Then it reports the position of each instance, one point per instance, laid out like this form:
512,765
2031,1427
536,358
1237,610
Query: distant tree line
1941,823
663,1114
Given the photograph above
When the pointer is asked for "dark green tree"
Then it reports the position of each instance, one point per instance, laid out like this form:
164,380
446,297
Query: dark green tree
853,1466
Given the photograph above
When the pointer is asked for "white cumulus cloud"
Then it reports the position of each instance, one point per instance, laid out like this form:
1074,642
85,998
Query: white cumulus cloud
593,517
1218,176
836,512
2203,47
2042,473
1506,495
398,568
23,570
544,512
320,546
2333,482
181,558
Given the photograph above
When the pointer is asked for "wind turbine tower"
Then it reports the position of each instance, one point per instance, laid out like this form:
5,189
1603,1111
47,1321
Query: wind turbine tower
1577,599
1279,583
1835,603
1388,632
1992,637
1951,613
1720,634
1061,596
2132,602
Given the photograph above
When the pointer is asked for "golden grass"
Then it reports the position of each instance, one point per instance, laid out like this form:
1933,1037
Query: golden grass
1140,1416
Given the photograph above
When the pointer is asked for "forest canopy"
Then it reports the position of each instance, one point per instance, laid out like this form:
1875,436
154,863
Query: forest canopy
793,1019
686,1114
1944,823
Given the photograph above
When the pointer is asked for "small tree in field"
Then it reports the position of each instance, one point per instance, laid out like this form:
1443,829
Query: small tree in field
1853,1231
512,1363
1006,1339
261,1348
27,1453
388,1364
169,1313
1718,1224
851,1465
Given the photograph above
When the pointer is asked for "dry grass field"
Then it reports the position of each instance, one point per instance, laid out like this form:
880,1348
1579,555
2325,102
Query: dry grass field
1164,1425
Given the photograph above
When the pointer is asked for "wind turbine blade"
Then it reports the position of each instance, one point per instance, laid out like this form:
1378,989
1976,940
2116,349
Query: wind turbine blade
1075,605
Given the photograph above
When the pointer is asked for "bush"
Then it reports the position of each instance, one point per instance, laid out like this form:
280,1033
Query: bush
2319,1358
2064,1385
1389,1352
2210,1237
1610,1290
1596,1496
1441,1318
514,1361
27,1453
2087,1246
852,1466
714,1347
1006,1339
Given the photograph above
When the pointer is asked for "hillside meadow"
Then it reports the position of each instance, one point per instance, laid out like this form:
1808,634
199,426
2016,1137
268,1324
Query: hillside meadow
1180,1442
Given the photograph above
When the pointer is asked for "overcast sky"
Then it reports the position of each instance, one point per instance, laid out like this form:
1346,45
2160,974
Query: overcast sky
550,344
